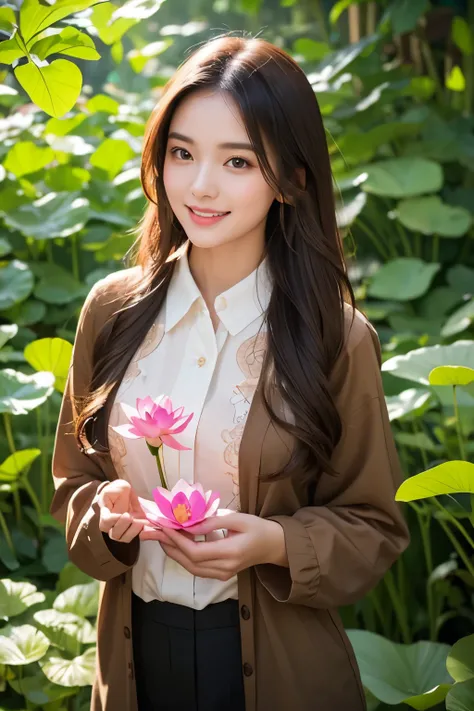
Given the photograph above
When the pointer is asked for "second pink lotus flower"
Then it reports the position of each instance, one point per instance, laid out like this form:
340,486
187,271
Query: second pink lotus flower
185,505
155,421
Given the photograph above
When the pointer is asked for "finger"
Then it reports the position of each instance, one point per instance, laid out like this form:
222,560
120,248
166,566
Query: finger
122,525
227,520
152,534
107,519
201,551
201,571
131,533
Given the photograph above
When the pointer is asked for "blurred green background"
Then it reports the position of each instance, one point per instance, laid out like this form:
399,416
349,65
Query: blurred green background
395,83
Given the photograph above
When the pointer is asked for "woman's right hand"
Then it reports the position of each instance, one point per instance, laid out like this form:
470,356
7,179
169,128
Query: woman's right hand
121,515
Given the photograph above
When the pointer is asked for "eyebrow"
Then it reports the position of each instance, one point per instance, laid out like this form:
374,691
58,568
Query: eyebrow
231,145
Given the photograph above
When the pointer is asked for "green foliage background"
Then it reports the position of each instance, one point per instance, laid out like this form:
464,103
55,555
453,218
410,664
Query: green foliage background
395,82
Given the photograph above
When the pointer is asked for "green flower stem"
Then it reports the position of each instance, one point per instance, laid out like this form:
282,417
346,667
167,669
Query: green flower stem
462,451
75,257
384,619
11,443
404,239
424,521
435,249
6,532
34,500
160,469
400,611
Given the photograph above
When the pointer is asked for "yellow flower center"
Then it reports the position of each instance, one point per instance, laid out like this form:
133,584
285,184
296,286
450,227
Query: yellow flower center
182,513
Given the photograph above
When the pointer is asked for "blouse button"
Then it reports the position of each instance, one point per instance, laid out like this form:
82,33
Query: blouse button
221,303
201,361
248,669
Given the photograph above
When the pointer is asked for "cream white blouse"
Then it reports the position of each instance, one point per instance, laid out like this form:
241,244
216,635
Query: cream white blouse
211,374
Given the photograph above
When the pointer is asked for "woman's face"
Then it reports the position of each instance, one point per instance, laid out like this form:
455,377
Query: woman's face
210,167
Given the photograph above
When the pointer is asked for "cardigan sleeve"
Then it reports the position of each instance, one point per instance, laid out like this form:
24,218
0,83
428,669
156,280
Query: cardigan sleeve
78,478
341,545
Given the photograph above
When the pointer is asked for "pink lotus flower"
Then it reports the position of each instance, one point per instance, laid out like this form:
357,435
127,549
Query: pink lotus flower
185,505
157,423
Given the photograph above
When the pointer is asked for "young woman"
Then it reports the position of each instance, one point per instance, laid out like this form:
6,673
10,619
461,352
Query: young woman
238,307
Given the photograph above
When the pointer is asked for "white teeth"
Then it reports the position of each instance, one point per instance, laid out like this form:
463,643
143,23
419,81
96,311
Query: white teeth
207,214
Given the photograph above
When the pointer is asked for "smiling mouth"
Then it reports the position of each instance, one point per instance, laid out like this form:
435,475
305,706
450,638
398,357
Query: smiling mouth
207,214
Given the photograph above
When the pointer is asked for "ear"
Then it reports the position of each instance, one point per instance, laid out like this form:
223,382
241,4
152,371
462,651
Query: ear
300,175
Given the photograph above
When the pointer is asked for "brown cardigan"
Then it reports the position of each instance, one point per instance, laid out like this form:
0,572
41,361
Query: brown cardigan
295,653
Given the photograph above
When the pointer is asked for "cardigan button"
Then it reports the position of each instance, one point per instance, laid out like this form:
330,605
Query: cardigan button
126,631
245,612
248,669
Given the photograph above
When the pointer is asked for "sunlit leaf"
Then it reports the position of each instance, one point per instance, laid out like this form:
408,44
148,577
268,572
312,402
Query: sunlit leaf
455,477
111,156
16,283
462,36
69,41
461,696
20,393
79,671
55,88
408,402
10,51
138,58
16,463
82,600
459,320
102,102
16,597
65,630
403,177
26,157
22,645
37,16
7,19
451,375
460,661
455,80
52,354
54,215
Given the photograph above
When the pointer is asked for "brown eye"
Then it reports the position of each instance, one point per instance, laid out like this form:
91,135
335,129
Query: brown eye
181,150
242,163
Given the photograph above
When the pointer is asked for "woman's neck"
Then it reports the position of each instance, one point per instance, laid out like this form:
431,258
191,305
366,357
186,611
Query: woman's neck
218,268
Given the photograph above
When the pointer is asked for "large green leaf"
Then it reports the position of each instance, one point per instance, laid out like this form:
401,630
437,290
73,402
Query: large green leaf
38,690
453,477
16,283
111,156
310,50
104,103
414,674
461,697
403,177
459,320
53,354
10,51
54,215
37,16
418,364
7,19
403,279
55,88
63,290
408,402
71,575
429,215
451,375
110,30
461,279
27,313
26,157
69,41
460,662
16,463
404,14
20,393
79,671
7,332
335,63
81,600
16,597
65,630
139,58
22,645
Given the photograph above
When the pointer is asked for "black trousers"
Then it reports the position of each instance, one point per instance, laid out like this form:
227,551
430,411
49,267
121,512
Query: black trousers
187,659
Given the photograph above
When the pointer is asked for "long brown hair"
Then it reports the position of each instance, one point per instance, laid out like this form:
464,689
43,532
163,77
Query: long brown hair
305,317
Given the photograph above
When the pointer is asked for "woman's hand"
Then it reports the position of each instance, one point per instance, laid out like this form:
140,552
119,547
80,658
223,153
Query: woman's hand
250,540
121,515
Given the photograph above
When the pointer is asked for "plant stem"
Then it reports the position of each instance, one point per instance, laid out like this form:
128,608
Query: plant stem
424,522
75,257
160,469
430,63
459,549
417,430
34,500
321,19
459,433
6,532
435,249
418,245
404,239
375,241
398,607
8,430
455,521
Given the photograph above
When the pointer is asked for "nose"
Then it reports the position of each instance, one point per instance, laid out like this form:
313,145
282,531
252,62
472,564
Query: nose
204,183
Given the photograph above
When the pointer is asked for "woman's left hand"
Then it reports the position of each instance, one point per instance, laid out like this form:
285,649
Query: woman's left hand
250,540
